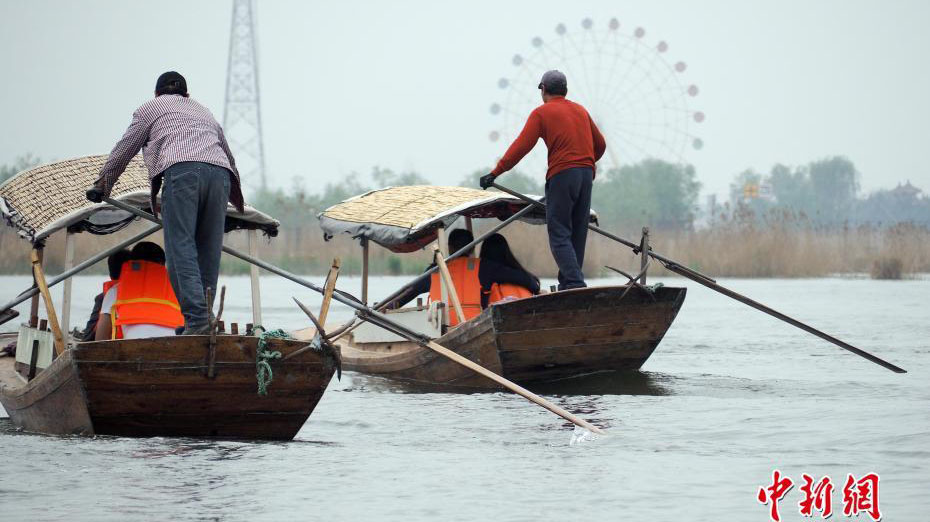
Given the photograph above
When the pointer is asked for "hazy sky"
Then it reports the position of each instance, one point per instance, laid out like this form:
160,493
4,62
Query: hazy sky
407,85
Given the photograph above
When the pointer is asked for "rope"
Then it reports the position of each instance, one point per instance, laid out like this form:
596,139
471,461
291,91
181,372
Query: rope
263,373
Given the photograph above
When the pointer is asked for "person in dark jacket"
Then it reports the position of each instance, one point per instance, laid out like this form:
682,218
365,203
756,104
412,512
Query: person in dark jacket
500,267
115,266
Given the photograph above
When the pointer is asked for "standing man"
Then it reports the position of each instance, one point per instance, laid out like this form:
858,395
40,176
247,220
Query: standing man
185,150
574,144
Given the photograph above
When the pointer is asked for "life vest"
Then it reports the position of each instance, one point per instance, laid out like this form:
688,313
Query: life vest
107,285
507,292
464,272
144,296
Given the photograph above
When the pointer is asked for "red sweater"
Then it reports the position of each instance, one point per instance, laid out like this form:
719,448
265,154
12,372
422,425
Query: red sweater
568,131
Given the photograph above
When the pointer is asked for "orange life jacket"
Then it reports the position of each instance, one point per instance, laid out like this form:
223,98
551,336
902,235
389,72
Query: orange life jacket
144,296
107,285
507,292
464,272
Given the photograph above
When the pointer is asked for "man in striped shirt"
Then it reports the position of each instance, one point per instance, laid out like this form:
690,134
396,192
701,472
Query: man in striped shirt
186,152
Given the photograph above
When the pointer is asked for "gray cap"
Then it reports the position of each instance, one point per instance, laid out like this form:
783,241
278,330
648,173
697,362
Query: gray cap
553,81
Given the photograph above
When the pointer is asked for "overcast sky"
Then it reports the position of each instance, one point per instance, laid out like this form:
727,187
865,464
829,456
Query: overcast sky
407,85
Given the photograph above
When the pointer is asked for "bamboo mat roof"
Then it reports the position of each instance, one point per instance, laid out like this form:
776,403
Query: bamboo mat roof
404,219
41,200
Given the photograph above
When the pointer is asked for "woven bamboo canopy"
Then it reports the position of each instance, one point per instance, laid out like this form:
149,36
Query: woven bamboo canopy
39,201
404,219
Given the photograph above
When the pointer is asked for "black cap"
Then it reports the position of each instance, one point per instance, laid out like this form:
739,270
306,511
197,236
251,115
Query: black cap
171,82
554,81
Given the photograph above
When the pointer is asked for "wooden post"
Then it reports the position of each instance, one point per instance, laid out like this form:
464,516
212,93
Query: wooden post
365,270
442,242
328,289
33,360
66,288
447,280
49,304
253,275
34,305
469,226
644,255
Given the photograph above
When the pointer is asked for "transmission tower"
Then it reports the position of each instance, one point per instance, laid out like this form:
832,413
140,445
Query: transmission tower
242,121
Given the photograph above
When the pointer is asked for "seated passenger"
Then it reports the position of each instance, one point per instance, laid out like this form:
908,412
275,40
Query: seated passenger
502,277
464,272
115,264
142,303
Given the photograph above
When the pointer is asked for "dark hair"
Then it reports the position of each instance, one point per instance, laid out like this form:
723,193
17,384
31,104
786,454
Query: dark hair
171,82
148,251
458,239
115,263
495,248
557,90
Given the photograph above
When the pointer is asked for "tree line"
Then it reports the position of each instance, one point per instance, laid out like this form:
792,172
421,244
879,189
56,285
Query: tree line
652,192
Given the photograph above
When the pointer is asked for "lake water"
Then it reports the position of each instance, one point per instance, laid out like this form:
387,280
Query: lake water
729,396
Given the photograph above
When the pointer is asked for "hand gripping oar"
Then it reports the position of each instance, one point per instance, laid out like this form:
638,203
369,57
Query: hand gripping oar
369,314
712,284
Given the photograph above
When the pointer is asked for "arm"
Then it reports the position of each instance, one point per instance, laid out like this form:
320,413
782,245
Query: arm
225,146
599,144
128,146
521,146
422,286
104,328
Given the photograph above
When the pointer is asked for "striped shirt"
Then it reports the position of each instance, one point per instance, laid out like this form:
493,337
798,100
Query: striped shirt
171,129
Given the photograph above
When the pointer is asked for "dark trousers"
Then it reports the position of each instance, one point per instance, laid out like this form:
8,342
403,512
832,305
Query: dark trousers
193,207
568,209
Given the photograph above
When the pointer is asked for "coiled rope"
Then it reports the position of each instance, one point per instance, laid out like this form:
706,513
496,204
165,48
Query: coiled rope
263,373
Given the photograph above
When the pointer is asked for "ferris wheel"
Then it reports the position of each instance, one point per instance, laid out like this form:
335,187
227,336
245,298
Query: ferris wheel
636,93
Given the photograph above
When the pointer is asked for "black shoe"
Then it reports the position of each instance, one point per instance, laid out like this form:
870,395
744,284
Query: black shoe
197,330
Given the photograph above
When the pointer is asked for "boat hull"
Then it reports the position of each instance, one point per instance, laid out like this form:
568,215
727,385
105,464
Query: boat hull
160,387
539,339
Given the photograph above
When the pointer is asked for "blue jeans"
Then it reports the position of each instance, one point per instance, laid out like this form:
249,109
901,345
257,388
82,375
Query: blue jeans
193,207
568,209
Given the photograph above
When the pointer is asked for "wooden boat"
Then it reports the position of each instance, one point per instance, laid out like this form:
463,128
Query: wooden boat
194,386
538,339
160,387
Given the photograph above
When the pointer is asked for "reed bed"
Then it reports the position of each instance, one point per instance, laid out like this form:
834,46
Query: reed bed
726,250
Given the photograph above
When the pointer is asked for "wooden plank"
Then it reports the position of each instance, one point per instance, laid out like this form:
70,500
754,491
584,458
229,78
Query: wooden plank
253,279
328,288
450,286
49,304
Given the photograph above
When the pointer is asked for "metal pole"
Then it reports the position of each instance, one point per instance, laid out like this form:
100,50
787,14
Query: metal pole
66,288
710,283
91,261
365,248
664,260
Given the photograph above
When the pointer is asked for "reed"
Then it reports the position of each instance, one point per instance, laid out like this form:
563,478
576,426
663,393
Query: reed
789,248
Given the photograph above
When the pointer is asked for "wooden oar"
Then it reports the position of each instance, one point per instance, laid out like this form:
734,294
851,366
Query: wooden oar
698,277
380,320
373,316
49,304
449,285
328,289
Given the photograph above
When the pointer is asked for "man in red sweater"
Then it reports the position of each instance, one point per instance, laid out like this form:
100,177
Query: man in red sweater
574,145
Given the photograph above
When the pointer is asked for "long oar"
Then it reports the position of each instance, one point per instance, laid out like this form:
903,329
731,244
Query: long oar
373,316
698,277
